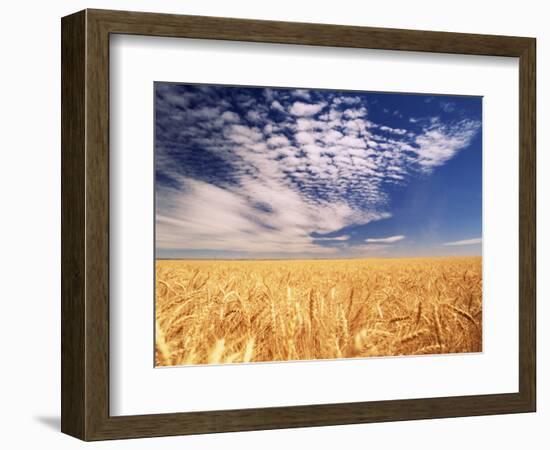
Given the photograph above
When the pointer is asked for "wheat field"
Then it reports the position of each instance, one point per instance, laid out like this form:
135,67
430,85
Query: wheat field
216,312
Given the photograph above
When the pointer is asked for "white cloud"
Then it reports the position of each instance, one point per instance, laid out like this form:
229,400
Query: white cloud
345,237
180,100
230,117
242,134
332,137
305,138
302,93
277,106
388,240
348,100
278,141
257,216
399,131
306,109
448,107
310,124
354,142
439,143
254,116
355,113
474,241
206,113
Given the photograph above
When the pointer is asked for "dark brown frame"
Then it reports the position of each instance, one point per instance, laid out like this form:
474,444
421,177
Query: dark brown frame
85,225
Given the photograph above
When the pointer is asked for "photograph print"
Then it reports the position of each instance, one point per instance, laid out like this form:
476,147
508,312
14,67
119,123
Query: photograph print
296,224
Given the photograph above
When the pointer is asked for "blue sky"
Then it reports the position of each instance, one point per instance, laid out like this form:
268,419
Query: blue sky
246,172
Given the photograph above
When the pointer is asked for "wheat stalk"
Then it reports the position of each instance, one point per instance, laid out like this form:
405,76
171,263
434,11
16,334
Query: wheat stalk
215,312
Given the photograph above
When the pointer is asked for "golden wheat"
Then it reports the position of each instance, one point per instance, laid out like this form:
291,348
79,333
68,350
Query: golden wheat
214,312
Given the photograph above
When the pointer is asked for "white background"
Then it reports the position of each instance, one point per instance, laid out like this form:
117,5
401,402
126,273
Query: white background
138,388
30,240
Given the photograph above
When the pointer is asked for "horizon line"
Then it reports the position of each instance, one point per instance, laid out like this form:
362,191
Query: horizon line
317,259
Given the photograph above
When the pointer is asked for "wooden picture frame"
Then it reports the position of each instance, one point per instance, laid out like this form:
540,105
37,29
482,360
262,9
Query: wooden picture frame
85,224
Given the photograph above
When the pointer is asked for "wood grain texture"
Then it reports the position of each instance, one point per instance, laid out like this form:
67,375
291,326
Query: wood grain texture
527,225
97,226
73,109
151,24
85,224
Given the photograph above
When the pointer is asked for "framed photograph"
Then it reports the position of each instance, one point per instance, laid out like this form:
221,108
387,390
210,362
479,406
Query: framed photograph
273,225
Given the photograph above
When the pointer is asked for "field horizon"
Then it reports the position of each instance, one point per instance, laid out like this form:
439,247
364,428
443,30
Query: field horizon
358,258
231,311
